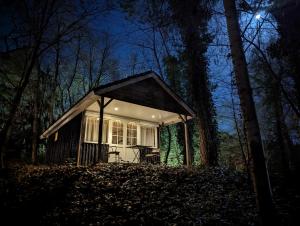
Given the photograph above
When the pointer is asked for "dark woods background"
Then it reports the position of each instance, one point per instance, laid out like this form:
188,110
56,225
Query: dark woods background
53,52
237,64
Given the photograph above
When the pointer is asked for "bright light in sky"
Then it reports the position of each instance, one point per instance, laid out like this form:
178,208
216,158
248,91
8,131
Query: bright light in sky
257,16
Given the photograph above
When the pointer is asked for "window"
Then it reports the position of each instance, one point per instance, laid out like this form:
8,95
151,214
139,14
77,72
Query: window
117,132
92,130
148,136
131,133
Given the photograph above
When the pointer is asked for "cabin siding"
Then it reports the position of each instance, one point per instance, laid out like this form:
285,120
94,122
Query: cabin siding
89,154
65,147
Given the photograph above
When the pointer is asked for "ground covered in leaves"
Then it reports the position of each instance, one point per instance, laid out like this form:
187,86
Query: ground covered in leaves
109,194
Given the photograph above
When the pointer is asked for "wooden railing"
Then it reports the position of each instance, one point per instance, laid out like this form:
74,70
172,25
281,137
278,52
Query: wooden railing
89,154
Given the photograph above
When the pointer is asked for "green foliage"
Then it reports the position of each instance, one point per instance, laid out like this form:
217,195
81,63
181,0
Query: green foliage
230,151
11,68
109,194
175,156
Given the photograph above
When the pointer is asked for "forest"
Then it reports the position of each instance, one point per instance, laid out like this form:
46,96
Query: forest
236,63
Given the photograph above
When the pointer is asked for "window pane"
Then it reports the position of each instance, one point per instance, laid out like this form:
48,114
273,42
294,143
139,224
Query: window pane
105,132
117,132
131,133
148,136
134,141
92,130
120,140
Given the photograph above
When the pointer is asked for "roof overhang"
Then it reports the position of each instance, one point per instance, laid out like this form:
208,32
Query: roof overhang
147,90
71,113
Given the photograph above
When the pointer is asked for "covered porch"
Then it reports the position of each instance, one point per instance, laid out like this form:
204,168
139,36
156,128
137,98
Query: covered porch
121,121
130,132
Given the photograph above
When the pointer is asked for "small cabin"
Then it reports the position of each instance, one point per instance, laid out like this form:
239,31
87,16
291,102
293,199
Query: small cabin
117,122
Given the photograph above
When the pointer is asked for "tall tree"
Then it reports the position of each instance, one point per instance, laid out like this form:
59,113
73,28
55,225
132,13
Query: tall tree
191,18
33,25
258,167
288,45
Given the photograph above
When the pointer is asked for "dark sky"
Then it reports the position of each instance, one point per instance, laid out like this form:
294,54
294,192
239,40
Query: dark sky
127,34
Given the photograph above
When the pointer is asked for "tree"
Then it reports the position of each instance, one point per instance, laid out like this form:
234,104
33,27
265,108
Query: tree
287,47
34,26
191,17
272,108
258,167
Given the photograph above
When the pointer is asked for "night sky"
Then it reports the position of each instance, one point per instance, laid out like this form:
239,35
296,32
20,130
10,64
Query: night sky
127,34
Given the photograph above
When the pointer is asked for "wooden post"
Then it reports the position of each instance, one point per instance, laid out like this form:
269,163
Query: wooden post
101,104
187,146
81,137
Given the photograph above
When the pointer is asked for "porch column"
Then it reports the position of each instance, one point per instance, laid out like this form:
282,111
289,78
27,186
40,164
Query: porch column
101,104
81,137
187,146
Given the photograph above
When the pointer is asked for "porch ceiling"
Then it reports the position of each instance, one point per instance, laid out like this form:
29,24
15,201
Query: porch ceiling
137,112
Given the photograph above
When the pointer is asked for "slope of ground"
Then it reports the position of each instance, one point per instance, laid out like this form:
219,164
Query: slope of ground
109,194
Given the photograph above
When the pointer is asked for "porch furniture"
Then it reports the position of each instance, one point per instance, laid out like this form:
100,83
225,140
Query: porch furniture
139,151
84,128
114,151
152,156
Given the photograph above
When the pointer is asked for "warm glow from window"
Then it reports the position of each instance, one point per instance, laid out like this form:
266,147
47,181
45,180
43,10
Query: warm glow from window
92,130
117,132
148,136
131,133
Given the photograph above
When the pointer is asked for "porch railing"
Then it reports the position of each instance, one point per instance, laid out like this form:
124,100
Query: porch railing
89,154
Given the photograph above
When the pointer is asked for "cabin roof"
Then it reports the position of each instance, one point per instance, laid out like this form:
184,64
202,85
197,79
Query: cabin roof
146,89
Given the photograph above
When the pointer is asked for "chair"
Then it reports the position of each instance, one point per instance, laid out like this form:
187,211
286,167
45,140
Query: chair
151,156
155,151
115,152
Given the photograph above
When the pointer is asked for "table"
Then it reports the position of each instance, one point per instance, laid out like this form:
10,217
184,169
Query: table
114,152
137,154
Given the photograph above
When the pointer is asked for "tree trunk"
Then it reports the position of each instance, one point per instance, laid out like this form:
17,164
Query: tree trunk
35,121
284,141
169,145
238,132
258,168
5,133
191,16
181,141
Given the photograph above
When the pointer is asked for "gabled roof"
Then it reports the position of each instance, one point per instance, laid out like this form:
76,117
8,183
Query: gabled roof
145,89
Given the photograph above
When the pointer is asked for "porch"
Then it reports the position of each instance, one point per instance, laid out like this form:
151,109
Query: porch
118,122
90,155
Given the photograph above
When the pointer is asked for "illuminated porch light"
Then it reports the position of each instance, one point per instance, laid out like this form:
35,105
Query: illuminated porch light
152,116
116,108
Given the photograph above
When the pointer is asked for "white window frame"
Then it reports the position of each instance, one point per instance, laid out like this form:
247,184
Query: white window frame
123,135
125,121
155,134
85,130
134,123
